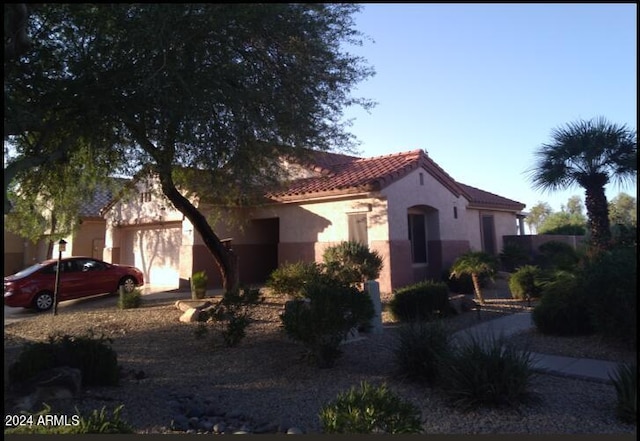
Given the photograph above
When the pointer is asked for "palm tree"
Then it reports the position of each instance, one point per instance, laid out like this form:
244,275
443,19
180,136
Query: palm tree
590,154
475,264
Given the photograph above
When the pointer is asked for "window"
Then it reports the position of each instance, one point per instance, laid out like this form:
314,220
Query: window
358,228
418,237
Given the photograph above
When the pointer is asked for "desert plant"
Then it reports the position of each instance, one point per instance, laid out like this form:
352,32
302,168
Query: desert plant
198,285
513,256
95,358
476,264
556,255
486,372
96,422
352,262
370,409
562,309
129,300
420,349
420,301
609,280
290,279
525,282
323,319
232,315
625,381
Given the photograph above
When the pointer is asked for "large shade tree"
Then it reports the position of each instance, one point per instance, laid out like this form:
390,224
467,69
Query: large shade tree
590,154
227,89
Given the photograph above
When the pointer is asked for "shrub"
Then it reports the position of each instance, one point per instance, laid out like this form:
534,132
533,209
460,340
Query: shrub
610,289
290,279
94,357
232,315
128,300
625,381
489,372
420,350
352,262
525,282
513,256
96,422
562,309
198,283
323,319
420,301
370,409
556,255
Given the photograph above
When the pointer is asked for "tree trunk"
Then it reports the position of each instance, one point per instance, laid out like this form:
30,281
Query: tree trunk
476,287
598,214
225,258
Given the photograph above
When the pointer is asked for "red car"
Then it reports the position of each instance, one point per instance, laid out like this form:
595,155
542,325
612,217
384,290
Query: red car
34,287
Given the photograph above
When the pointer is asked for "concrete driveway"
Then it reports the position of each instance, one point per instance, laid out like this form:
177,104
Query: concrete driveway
12,315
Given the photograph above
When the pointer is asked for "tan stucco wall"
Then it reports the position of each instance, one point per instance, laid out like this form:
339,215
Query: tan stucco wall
505,224
408,192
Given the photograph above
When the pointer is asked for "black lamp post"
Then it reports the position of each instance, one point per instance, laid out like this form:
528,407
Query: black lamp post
62,246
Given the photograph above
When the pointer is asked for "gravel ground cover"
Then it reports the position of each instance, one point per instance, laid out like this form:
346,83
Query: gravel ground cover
265,385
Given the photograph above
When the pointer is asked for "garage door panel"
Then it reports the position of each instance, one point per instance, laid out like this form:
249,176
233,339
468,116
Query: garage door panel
156,251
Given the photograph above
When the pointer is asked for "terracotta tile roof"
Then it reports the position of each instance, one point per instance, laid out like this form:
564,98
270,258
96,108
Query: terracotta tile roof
480,198
342,174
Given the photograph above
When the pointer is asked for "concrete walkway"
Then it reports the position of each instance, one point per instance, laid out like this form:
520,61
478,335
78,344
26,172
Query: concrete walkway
583,368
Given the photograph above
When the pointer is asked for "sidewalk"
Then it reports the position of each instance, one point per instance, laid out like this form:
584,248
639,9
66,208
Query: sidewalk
583,368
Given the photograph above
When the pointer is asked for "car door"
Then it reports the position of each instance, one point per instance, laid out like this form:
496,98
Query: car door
96,277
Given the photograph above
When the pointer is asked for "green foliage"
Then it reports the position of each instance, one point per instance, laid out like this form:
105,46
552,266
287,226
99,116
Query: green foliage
525,283
128,300
562,309
420,350
625,381
370,409
476,264
199,280
98,422
610,288
94,357
322,320
290,279
556,255
589,153
570,230
232,315
513,256
352,262
420,301
198,285
486,372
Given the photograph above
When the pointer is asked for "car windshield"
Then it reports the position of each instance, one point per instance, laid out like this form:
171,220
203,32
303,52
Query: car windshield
29,270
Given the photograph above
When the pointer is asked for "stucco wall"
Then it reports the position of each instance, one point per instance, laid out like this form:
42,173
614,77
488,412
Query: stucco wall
408,192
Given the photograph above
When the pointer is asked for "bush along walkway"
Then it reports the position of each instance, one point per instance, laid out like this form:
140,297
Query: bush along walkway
582,368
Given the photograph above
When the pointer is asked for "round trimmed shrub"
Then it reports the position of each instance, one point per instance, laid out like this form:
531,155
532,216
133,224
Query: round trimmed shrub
290,279
370,409
562,309
421,301
525,282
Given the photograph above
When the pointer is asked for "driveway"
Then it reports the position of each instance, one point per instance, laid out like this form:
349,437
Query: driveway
12,315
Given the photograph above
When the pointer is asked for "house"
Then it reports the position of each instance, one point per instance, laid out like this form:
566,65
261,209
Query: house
403,205
86,240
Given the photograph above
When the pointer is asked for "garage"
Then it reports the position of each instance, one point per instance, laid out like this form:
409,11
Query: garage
156,252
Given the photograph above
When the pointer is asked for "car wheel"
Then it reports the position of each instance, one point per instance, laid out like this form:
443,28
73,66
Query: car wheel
128,283
43,301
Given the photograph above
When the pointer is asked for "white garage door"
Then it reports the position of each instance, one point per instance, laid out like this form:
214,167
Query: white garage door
155,251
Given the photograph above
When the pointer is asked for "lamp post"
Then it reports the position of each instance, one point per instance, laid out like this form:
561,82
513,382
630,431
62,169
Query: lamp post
62,246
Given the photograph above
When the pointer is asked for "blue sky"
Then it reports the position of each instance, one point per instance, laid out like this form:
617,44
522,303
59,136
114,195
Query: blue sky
481,86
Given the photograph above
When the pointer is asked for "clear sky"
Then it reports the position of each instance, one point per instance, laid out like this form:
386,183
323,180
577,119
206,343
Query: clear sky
481,86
